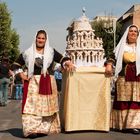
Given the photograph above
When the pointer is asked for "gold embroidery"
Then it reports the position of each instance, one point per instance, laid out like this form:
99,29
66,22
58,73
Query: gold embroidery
129,57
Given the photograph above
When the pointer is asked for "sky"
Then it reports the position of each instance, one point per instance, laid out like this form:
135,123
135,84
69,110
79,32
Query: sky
54,16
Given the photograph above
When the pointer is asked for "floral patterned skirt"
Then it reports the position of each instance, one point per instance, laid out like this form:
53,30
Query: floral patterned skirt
40,112
33,124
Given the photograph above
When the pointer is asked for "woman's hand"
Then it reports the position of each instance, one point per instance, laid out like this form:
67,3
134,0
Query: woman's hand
109,69
23,76
69,66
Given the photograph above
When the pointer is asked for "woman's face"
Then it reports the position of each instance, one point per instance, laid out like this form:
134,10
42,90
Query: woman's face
40,40
132,34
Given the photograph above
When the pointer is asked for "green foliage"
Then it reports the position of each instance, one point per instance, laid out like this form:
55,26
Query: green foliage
5,23
108,38
14,50
9,39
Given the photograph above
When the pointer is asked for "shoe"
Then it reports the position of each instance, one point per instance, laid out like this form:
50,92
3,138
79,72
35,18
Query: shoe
135,131
41,134
3,104
32,136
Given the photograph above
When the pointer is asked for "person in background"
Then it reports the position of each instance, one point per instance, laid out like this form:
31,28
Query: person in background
58,76
40,99
125,115
4,80
11,87
18,86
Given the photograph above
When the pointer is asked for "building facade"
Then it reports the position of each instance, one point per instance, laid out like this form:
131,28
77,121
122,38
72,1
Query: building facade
132,16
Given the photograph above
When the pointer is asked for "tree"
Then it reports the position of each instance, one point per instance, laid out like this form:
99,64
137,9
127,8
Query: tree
14,49
108,38
9,39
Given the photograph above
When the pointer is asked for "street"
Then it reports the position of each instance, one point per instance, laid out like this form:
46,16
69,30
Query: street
11,128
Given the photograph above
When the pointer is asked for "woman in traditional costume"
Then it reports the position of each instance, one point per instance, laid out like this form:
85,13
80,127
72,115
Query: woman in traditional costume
40,101
125,115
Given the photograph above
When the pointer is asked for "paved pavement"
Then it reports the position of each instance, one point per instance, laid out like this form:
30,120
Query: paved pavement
10,128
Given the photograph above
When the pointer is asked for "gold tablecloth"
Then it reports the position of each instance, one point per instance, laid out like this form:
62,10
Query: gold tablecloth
87,100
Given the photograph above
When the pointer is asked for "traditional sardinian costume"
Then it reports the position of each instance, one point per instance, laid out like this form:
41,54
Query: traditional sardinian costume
40,100
126,107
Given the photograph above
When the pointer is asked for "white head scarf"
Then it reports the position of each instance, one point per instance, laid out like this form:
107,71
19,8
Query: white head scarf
119,50
29,57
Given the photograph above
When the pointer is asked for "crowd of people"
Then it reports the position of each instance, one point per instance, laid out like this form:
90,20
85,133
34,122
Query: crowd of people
11,84
39,86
